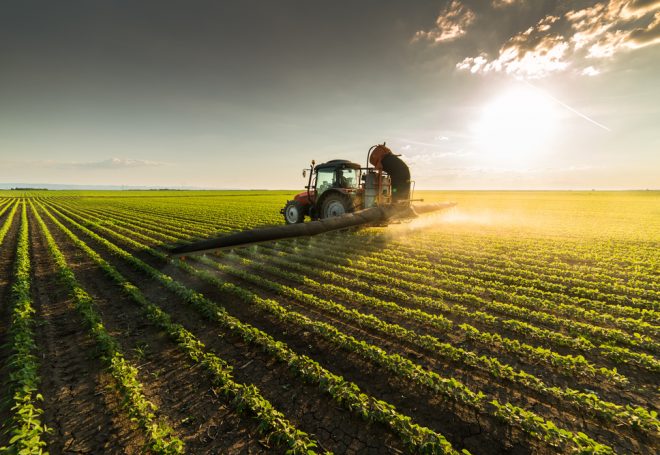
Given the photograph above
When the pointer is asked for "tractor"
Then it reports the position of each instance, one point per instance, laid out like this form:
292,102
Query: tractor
338,187
339,195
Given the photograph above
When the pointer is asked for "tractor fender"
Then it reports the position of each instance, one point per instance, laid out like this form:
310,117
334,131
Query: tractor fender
305,198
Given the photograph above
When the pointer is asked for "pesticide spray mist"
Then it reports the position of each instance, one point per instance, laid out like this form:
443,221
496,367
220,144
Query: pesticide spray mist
453,217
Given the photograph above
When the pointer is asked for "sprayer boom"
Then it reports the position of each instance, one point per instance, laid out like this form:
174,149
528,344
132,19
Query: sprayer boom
374,215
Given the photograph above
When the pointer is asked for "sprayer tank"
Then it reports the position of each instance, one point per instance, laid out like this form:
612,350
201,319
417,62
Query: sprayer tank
371,188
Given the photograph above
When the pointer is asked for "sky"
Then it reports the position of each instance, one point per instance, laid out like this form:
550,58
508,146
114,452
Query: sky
474,94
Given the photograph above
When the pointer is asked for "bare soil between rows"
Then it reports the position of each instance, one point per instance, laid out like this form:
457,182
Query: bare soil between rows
457,424
335,429
183,392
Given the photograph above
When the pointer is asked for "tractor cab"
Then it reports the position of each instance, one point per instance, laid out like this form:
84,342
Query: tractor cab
339,174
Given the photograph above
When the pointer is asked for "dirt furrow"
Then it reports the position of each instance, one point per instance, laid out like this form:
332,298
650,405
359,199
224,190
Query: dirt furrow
76,405
182,391
7,257
641,393
557,411
459,425
303,404
551,408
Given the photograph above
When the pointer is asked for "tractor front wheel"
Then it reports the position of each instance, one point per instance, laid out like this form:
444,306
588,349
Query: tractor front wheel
293,212
335,204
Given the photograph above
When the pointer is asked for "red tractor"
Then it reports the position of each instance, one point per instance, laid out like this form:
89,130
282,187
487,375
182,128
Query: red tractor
339,195
340,186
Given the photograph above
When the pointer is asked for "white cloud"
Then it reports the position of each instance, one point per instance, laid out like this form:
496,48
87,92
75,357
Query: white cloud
434,157
590,71
114,163
110,163
450,24
503,3
577,39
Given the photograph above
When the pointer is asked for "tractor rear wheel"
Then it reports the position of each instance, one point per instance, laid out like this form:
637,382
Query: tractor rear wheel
293,212
335,204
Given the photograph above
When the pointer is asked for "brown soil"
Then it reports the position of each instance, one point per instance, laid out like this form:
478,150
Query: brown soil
73,384
184,394
7,255
482,435
311,411
546,406
642,381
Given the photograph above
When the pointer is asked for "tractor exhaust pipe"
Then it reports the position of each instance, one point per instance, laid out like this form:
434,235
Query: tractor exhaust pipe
267,234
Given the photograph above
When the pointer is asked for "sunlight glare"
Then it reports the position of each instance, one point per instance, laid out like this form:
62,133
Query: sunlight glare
515,128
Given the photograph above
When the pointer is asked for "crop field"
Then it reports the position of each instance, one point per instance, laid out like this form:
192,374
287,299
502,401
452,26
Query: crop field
517,322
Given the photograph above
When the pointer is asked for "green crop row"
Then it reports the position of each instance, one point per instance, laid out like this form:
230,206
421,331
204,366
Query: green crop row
540,278
468,296
346,394
588,402
534,425
139,408
322,268
567,304
573,365
455,285
271,422
4,206
7,224
25,427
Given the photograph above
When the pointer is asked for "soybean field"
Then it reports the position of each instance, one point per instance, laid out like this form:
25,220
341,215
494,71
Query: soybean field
515,323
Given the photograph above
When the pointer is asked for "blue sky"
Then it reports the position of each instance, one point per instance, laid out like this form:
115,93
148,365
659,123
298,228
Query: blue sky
475,94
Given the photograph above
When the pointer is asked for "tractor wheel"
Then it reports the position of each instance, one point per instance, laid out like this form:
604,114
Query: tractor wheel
293,212
336,204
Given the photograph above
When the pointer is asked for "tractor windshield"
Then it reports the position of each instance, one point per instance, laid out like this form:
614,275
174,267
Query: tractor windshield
324,180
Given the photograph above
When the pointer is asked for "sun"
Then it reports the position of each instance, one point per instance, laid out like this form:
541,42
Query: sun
516,128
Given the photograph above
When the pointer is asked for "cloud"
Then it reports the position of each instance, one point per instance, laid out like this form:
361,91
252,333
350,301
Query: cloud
590,71
535,52
503,3
110,163
450,24
408,142
475,171
117,163
578,39
608,28
434,157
